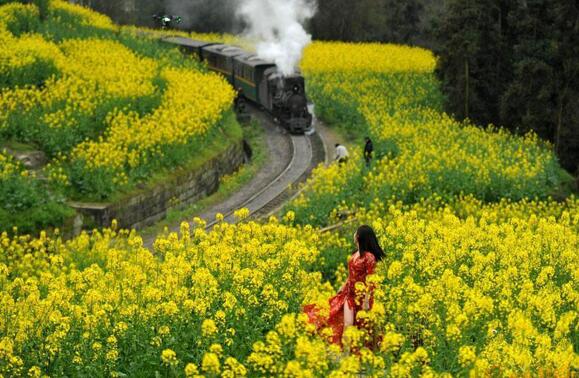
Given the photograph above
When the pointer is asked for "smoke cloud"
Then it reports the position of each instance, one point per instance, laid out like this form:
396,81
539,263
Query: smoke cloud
277,27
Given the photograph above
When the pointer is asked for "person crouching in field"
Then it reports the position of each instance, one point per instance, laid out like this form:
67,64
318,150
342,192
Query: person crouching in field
346,303
341,154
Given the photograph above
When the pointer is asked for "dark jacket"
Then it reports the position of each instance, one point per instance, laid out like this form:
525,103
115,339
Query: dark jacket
369,148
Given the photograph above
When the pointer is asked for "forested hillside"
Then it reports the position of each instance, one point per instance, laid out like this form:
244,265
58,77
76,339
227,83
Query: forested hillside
515,64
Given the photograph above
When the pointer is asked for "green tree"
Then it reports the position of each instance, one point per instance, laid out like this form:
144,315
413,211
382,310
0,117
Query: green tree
402,20
514,64
542,95
370,20
474,57
567,118
334,20
528,102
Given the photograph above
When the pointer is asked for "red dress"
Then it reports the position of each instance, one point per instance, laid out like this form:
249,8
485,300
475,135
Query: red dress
358,269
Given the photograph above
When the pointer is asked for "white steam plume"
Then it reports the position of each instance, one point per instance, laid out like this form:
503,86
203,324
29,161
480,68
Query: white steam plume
277,26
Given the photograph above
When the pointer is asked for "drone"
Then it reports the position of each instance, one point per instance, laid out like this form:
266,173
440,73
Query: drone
166,21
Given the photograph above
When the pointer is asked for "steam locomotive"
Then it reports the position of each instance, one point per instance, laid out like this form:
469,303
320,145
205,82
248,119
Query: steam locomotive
284,97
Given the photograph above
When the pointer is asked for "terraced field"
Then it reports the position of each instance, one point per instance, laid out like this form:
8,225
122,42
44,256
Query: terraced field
105,107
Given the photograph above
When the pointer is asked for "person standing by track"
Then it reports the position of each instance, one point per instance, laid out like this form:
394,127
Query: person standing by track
368,151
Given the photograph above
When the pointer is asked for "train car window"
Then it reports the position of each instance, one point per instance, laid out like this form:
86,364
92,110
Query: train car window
212,60
248,72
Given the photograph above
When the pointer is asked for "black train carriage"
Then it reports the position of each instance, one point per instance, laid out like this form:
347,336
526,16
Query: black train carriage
189,46
249,74
284,97
220,59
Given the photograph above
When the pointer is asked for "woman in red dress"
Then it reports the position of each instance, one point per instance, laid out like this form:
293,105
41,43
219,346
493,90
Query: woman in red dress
345,305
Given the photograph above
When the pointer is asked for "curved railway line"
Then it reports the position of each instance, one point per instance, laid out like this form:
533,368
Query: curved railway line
291,159
265,198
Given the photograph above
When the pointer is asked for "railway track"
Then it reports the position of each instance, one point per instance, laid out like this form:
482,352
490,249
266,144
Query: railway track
306,153
268,197
290,162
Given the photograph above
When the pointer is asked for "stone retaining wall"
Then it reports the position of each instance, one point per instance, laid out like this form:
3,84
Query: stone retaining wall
151,205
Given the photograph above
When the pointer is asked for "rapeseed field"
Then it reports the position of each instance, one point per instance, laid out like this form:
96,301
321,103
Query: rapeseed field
481,275
109,109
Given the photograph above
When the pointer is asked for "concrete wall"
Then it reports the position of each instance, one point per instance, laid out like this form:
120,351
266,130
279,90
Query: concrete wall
151,205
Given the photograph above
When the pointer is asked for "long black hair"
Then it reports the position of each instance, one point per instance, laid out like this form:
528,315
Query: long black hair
368,242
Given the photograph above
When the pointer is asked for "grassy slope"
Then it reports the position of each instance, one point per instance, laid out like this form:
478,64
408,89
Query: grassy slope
61,26
254,135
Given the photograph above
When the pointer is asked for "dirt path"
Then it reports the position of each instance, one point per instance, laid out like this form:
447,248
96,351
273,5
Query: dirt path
329,137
